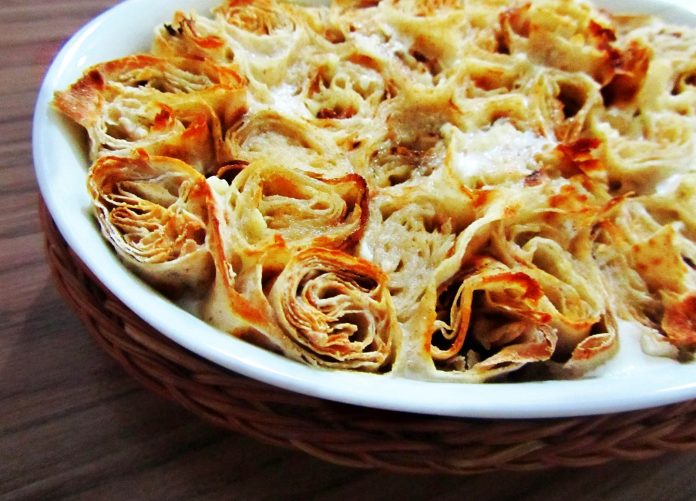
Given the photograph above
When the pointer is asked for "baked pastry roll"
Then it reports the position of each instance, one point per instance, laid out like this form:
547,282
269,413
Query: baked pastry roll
187,129
565,103
286,140
271,205
553,235
192,36
222,88
577,37
498,312
412,41
571,36
343,87
410,145
671,63
495,319
426,29
153,211
641,153
166,107
676,195
338,311
485,74
319,306
257,223
259,39
537,243
650,267
410,232
662,261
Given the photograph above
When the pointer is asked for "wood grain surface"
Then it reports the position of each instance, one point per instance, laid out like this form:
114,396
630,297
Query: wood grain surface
73,425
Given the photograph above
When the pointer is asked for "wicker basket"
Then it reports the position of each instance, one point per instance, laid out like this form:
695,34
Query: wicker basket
351,435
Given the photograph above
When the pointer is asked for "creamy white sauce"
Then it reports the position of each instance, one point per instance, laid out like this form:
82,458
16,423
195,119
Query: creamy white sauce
288,101
669,185
374,44
365,252
366,81
501,150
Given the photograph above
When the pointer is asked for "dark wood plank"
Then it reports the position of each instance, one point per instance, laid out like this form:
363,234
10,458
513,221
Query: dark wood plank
73,425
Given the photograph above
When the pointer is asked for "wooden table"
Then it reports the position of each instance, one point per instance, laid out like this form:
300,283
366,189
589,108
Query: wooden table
72,424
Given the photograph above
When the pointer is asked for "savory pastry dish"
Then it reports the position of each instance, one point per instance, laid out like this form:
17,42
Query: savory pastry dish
435,189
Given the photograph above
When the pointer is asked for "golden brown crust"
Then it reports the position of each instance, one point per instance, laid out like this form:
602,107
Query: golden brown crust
172,107
679,323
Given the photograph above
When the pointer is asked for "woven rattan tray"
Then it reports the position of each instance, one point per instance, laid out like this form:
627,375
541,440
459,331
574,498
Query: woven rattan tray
351,435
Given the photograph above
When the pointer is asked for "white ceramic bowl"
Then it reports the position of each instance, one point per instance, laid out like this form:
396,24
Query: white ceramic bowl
631,381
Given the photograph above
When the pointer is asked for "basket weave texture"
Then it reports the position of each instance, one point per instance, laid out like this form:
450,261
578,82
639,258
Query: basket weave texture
351,435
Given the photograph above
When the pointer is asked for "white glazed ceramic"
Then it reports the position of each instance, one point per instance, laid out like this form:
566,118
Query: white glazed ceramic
631,381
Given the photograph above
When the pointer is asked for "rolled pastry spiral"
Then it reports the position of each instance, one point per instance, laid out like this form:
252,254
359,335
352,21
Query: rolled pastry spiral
153,210
337,309
176,107
499,311
267,202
